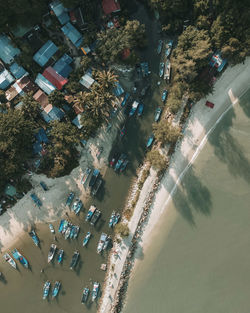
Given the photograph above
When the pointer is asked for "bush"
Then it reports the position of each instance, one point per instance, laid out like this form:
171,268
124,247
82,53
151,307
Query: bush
122,230
157,160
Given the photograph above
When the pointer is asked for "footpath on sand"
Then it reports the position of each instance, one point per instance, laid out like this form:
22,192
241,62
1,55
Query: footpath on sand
232,84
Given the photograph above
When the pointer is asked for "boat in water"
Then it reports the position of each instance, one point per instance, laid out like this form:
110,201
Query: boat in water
34,237
51,253
97,186
18,256
112,219
63,226
90,213
46,288
67,231
51,228
116,218
140,109
85,295
101,243
77,206
94,177
74,260
120,161
60,256
161,69
85,176
9,259
124,165
74,231
158,112
56,289
106,243
134,108
150,140
167,71
70,198
169,46
95,217
86,238
164,95
124,101
159,47
95,291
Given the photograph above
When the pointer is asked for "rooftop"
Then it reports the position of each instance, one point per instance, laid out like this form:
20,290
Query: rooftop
87,81
60,11
42,98
62,66
57,80
73,34
43,55
44,84
110,6
7,50
17,70
5,79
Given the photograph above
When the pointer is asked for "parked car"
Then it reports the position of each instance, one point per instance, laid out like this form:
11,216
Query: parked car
209,104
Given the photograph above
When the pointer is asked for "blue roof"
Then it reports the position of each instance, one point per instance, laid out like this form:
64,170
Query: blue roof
44,84
62,66
118,90
7,51
41,136
55,114
45,53
77,121
5,79
17,70
60,11
37,147
73,34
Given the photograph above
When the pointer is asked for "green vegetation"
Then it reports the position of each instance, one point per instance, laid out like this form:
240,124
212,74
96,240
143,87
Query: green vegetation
165,132
31,109
157,160
122,230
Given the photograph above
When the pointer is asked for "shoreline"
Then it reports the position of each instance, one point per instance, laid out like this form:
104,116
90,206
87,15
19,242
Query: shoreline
232,84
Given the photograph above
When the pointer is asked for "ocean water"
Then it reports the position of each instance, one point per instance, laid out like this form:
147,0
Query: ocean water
199,257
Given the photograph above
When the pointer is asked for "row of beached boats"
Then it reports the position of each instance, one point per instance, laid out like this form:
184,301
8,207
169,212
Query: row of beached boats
68,230
95,292
94,178
165,67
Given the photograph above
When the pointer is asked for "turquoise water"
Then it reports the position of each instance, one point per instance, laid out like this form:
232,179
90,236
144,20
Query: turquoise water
200,259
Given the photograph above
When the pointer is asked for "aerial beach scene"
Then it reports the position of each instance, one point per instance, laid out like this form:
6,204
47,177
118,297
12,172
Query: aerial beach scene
125,156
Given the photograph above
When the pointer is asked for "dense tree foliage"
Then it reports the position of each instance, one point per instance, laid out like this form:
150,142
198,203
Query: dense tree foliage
57,98
31,108
157,160
165,132
122,229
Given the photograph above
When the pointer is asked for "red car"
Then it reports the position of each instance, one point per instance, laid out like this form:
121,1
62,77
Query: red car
209,104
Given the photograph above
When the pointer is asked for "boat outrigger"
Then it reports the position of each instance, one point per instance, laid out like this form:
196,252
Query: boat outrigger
86,238
85,176
101,243
18,256
46,288
85,295
9,259
56,289
90,213
60,256
95,291
74,260
51,253
34,237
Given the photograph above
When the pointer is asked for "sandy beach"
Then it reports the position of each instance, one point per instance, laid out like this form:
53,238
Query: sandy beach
232,84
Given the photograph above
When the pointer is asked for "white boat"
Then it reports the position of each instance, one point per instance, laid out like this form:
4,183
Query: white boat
51,253
51,227
167,71
101,242
95,291
9,259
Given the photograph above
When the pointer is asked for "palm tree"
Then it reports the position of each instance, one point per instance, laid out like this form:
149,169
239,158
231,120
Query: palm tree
106,80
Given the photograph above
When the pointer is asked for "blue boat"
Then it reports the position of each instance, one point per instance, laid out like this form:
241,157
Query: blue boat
85,295
120,161
161,69
169,47
56,289
95,291
44,186
159,46
75,231
61,226
90,213
86,238
116,219
46,288
123,103
134,108
60,256
18,256
140,109
77,205
85,176
164,95
36,200
158,114
124,165
94,177
34,237
150,140
70,198
112,219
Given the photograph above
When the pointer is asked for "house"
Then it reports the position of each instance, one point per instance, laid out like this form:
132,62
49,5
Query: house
43,55
60,11
11,93
42,98
7,51
110,6
57,80
26,84
77,121
44,84
17,70
62,66
72,34
52,113
5,79
87,81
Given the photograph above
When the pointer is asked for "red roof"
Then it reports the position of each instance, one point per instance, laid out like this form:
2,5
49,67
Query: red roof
110,6
57,80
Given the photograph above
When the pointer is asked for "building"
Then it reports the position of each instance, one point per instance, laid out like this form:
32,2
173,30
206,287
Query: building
217,61
52,113
77,121
5,79
44,84
43,55
110,6
87,81
57,80
17,70
7,51
60,11
21,86
42,98
73,34
11,93
62,66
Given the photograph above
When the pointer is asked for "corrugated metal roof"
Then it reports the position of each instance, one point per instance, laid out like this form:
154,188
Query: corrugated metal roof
62,66
45,53
86,81
40,97
5,79
77,121
17,70
44,84
57,80
60,11
7,51
73,34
